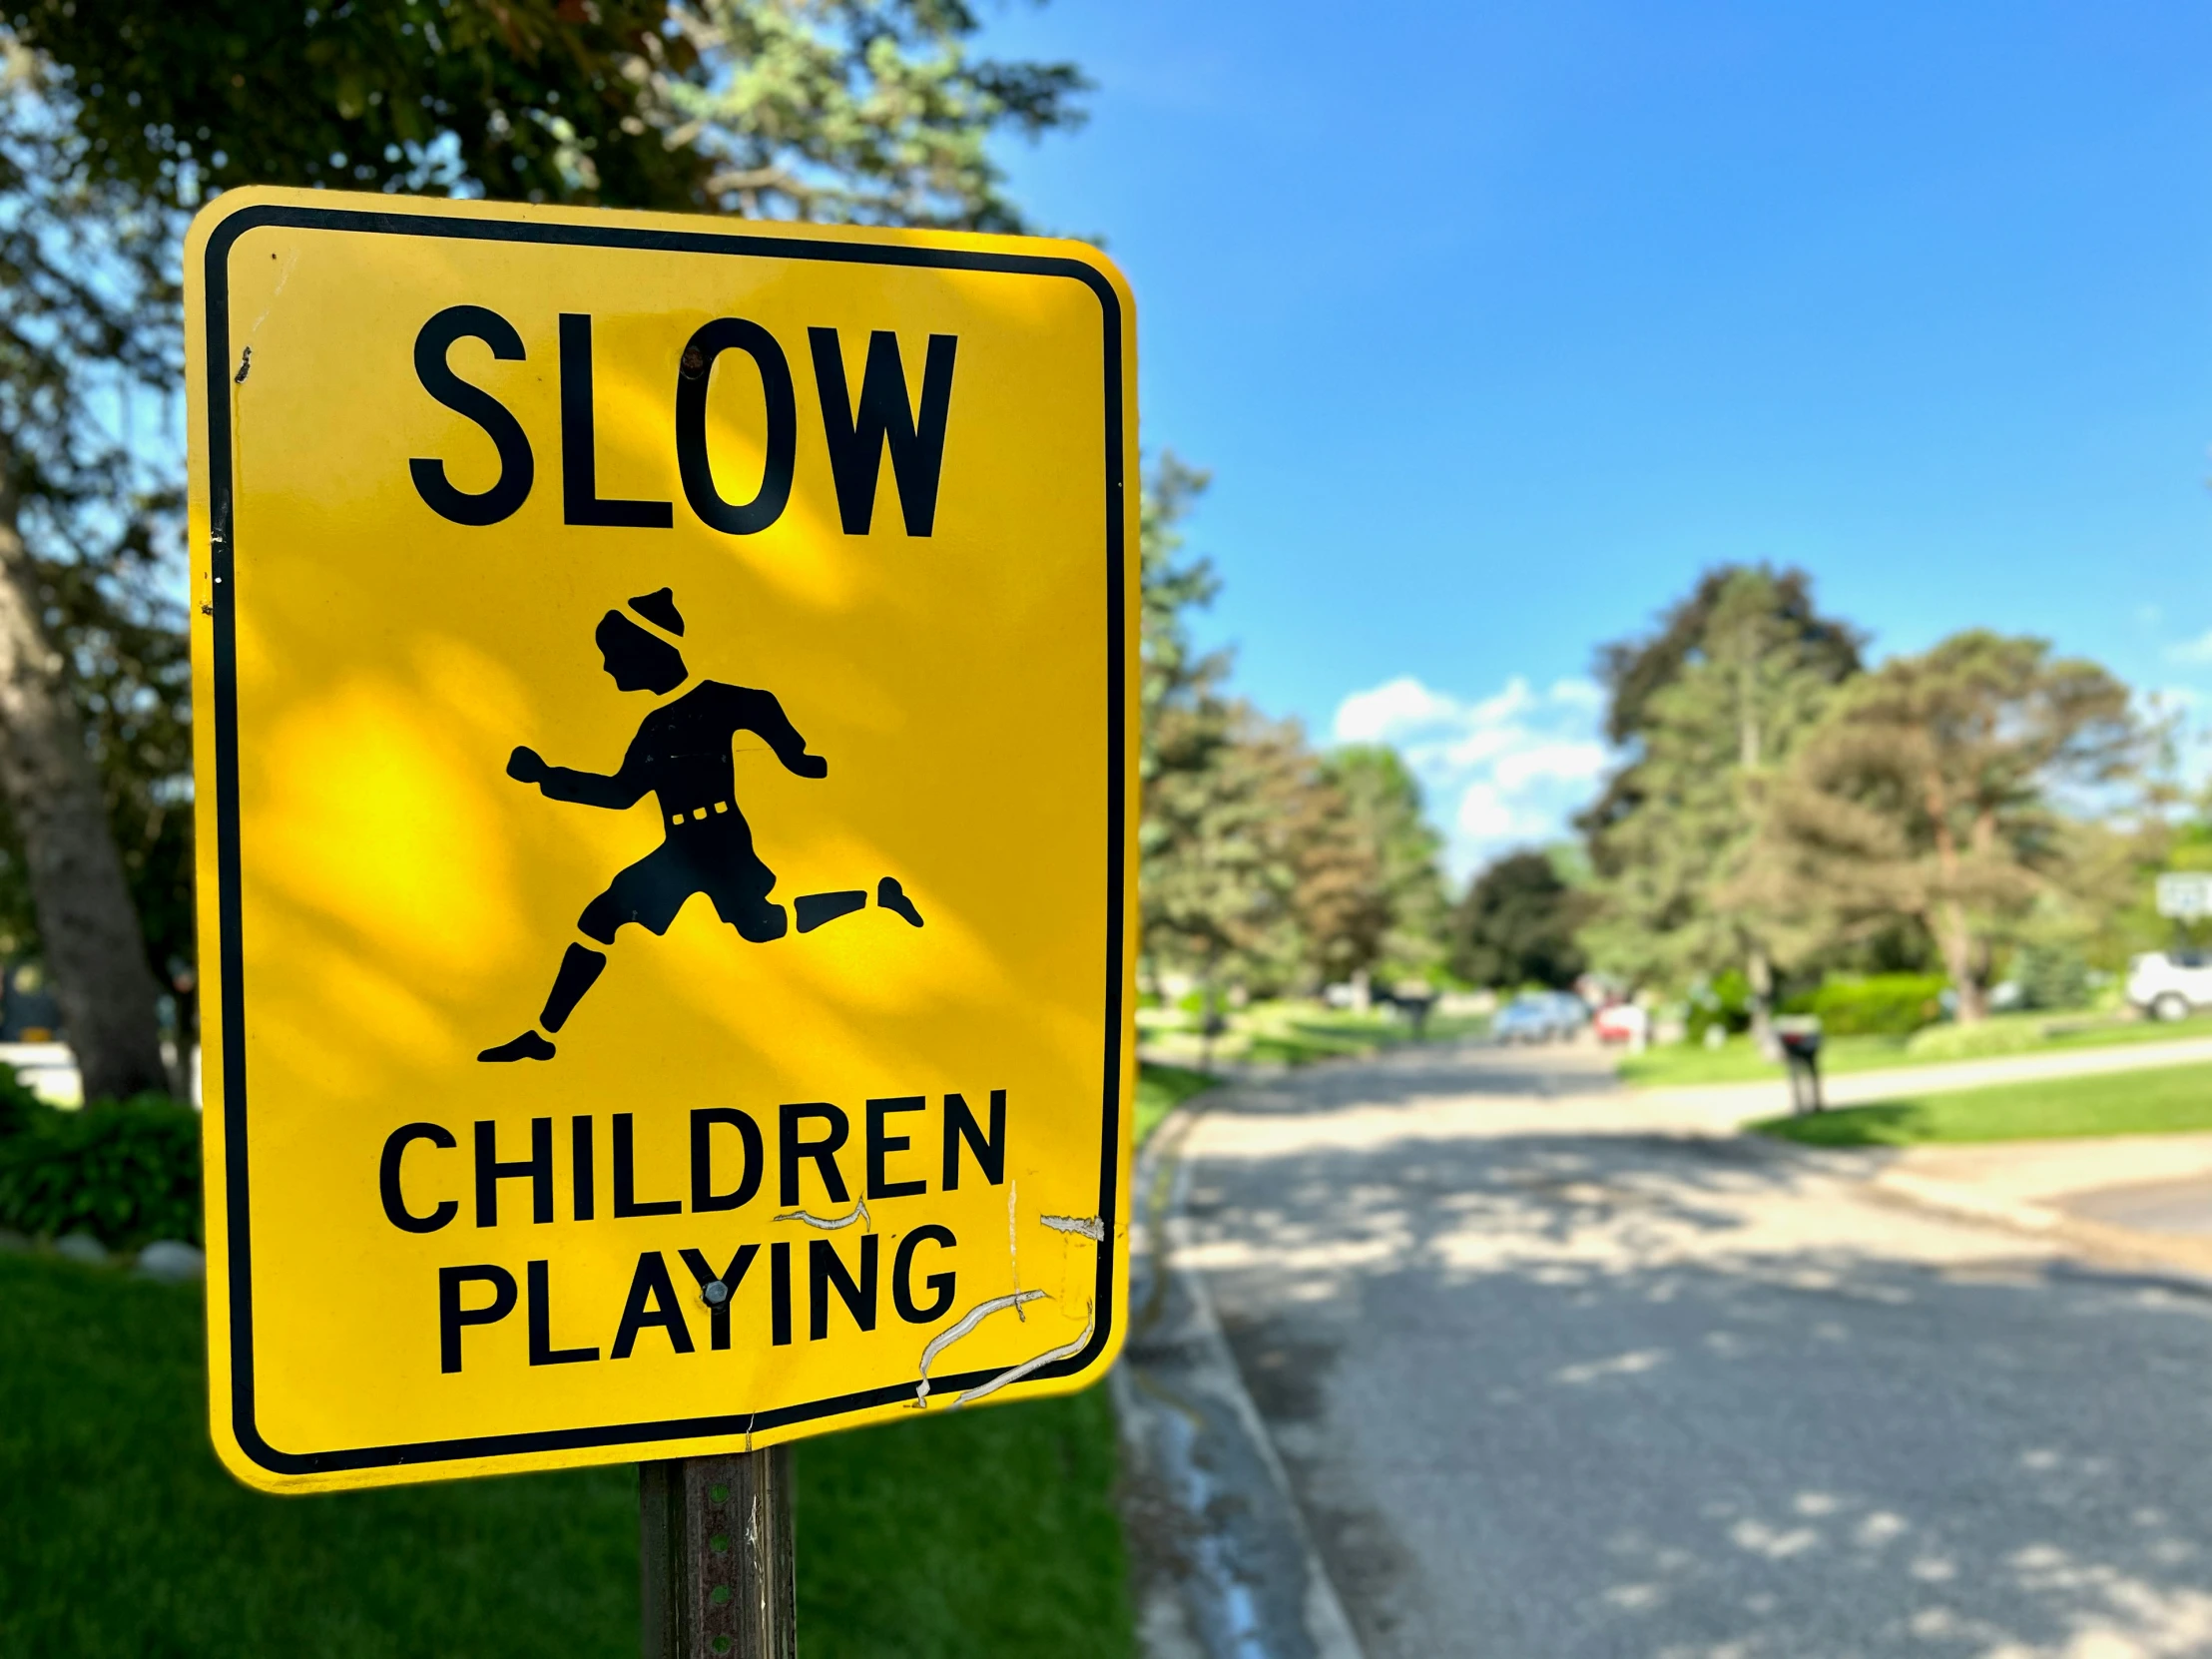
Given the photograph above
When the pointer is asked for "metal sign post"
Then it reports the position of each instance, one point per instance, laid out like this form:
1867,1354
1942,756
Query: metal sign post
715,1554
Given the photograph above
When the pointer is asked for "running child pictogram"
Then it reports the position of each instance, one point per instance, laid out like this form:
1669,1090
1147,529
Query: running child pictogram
683,756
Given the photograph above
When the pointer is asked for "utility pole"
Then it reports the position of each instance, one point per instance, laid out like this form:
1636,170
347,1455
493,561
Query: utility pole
714,1557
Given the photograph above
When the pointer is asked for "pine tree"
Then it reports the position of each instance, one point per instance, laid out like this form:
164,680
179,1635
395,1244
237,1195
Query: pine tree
1262,863
1714,706
1382,800
1211,887
867,112
1937,791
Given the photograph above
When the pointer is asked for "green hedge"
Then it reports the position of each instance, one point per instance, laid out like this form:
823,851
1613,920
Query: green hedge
19,1107
2000,1034
1724,1001
1874,1005
126,1171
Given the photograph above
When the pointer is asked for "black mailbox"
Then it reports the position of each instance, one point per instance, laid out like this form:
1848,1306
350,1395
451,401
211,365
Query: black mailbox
1800,1038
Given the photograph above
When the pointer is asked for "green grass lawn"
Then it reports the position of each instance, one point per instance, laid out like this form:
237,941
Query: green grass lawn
1292,1032
2165,1101
1298,1042
986,1532
1740,1062
1160,1089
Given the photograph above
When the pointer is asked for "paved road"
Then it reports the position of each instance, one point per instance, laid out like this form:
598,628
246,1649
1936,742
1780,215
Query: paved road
1555,1379
2183,1208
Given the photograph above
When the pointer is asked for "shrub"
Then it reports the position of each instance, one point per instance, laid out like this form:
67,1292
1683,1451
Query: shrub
2002,1034
126,1171
1724,1001
1874,1005
19,1107
2051,976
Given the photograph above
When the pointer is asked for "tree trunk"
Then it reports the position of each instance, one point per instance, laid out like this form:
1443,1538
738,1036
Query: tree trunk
1759,972
94,949
1957,943
1208,1015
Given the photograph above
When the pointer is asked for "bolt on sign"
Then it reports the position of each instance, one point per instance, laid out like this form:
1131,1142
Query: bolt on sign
666,724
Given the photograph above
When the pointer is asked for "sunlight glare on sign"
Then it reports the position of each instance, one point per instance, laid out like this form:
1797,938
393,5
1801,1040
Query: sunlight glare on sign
665,720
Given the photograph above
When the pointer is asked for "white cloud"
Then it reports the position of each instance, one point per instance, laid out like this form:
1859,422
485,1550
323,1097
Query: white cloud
1391,709
1483,814
1503,771
1572,762
2198,650
1585,694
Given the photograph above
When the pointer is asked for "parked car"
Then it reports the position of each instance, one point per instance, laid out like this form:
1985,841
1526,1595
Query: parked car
1624,1022
2169,984
1539,1017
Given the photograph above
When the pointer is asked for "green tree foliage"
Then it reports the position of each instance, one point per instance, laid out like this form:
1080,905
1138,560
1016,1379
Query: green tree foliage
1175,674
1259,868
1339,908
120,627
120,117
524,100
1214,891
1217,879
2192,838
1949,789
1517,926
2116,905
1384,804
851,109
1873,1004
125,1171
870,110
86,344
1262,863
84,365
1711,707
2181,843
1636,671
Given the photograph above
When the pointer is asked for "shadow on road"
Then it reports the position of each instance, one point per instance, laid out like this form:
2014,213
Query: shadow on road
1550,1396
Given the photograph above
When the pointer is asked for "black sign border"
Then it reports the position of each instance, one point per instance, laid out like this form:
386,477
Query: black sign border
640,238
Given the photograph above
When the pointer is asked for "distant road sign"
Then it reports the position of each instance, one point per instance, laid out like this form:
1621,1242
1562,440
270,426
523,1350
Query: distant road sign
666,818
2186,896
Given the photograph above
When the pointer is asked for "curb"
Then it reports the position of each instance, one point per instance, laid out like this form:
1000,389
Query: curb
1223,1564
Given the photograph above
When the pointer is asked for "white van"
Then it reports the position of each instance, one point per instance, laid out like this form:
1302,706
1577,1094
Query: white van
2170,984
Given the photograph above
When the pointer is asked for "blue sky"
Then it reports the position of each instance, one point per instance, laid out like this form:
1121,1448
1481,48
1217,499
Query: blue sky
1496,325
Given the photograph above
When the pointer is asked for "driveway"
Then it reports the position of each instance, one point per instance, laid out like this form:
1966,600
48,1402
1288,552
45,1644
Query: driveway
1556,1371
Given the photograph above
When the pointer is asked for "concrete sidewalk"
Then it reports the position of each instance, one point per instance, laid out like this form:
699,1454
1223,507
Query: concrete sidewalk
2142,1201
2051,1172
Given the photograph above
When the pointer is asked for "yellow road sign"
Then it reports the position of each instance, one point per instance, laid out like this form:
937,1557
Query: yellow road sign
666,723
